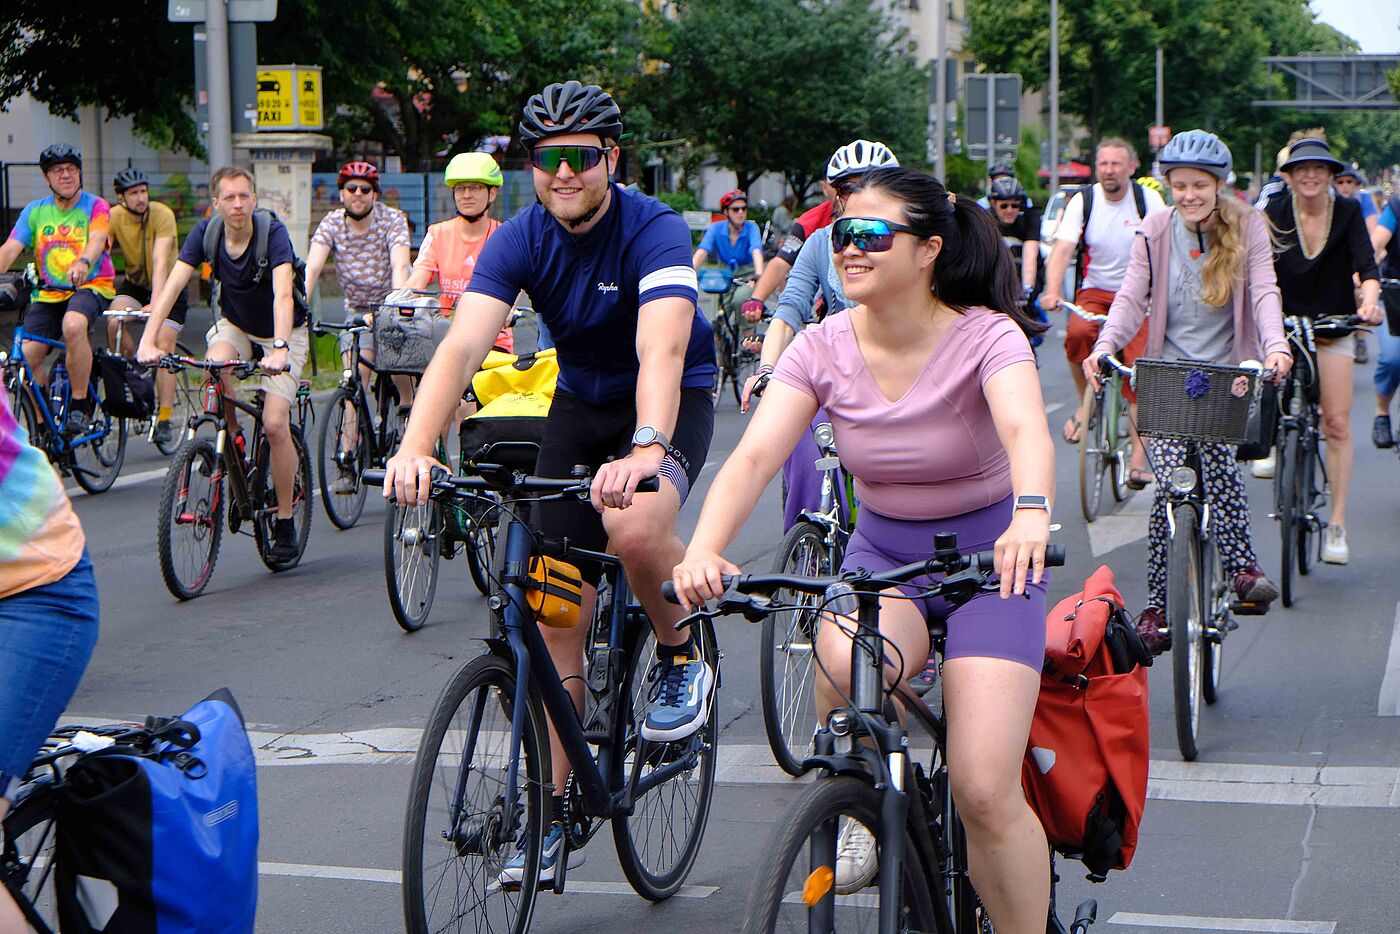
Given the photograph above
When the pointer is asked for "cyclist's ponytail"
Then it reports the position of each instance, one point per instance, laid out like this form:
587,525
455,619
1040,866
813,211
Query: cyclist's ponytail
974,266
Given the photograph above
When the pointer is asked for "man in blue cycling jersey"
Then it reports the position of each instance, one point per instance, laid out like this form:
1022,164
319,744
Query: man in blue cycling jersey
734,241
609,273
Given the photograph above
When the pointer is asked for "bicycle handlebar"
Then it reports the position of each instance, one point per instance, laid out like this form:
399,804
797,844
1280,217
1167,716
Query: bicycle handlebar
241,368
501,477
357,323
980,564
1079,311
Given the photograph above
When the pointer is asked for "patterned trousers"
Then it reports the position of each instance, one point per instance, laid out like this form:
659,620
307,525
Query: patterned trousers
1229,510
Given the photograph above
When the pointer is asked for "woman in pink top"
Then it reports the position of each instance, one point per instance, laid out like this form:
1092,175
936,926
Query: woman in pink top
933,394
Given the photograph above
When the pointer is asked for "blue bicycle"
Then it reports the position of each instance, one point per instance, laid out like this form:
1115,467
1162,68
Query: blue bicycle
92,458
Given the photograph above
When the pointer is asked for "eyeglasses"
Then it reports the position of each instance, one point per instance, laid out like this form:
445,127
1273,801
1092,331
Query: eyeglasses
580,158
359,189
869,234
470,188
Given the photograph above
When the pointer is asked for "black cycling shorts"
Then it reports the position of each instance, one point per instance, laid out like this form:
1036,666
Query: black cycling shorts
143,295
45,319
579,433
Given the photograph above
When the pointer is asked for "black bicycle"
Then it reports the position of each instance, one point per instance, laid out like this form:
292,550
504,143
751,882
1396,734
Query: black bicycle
813,547
193,503
867,774
184,400
482,776
736,361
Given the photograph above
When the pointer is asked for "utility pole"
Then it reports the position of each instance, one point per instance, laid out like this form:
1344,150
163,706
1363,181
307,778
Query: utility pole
216,47
940,93
1161,120
1054,97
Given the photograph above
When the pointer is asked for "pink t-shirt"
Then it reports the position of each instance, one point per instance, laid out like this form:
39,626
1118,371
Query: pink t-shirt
935,452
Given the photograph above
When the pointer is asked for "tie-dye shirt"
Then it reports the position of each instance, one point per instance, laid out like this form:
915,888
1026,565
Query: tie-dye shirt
59,237
40,538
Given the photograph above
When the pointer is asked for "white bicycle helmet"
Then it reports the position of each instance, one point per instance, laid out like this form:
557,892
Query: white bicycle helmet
857,158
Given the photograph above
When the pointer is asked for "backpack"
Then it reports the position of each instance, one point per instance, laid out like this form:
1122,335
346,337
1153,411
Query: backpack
128,390
1085,771
262,224
1081,255
162,835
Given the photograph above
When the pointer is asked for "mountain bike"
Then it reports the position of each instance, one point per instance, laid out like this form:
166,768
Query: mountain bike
1300,474
193,501
1105,438
482,776
867,773
94,457
1196,403
182,403
736,362
813,547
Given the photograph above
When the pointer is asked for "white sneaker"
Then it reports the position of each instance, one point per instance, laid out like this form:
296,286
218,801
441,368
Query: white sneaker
856,863
1264,468
1334,545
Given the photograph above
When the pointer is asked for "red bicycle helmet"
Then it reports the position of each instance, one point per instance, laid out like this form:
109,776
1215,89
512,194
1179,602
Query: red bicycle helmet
364,170
729,197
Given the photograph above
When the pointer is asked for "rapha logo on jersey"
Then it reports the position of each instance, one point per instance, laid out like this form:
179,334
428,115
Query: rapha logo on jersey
607,286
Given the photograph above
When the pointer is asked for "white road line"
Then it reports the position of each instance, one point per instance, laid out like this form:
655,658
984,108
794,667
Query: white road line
128,480
1112,531
394,877
1192,923
1053,407
1389,704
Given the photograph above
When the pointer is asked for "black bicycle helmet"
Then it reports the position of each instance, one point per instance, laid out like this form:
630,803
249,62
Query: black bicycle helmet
1001,170
59,154
1006,188
1196,149
129,177
570,107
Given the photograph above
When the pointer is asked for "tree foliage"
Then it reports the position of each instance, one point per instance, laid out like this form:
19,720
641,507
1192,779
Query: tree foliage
773,85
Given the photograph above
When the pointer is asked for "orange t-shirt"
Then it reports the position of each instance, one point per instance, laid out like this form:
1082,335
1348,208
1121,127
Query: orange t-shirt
453,260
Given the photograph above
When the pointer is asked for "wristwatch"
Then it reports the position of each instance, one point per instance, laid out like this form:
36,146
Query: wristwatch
647,436
1032,501
279,344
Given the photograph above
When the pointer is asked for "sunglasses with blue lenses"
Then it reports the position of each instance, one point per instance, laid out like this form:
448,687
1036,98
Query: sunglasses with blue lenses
869,234
580,158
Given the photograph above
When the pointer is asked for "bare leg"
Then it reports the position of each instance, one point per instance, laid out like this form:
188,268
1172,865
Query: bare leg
1336,371
79,356
277,425
566,650
644,537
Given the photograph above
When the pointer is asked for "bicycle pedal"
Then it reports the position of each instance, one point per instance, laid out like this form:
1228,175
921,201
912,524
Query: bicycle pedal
1241,608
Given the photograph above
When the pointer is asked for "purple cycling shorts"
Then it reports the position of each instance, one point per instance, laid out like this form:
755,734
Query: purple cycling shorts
986,626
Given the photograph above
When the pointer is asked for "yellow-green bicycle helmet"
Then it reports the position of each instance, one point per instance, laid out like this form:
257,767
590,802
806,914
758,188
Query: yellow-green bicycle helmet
473,167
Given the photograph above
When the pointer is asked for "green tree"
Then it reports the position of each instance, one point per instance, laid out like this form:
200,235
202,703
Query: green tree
122,55
776,85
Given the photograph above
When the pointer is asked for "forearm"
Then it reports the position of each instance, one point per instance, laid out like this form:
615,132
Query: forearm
698,259
758,263
659,388
1370,291
1032,455
774,275
779,335
9,252
92,252
163,300
400,268
160,271
1056,265
1030,257
419,278
283,314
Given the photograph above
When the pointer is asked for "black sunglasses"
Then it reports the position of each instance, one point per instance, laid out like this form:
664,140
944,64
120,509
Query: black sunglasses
869,234
580,158
738,209
359,189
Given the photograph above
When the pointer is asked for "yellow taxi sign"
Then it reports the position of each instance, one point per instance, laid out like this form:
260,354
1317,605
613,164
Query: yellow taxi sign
289,97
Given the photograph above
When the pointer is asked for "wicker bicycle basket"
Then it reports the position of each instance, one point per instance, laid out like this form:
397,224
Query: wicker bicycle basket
1194,401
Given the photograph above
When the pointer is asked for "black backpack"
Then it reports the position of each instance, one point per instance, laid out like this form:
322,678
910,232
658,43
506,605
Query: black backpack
1087,193
262,223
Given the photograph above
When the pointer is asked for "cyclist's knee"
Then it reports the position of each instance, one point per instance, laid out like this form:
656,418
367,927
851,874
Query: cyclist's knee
277,421
985,802
75,327
1337,426
634,533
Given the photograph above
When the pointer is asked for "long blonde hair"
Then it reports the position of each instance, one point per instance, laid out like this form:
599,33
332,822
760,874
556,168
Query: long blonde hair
1225,258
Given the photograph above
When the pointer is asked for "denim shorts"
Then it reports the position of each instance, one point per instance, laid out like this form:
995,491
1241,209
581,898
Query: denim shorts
46,638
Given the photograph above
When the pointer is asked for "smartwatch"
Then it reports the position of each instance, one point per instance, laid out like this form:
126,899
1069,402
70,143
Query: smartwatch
1032,501
279,344
647,436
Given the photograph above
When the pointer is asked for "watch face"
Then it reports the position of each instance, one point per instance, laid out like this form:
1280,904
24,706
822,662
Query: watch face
644,437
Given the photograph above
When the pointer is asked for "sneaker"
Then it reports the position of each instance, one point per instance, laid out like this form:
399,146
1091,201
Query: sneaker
76,422
1152,630
1380,432
163,433
1362,354
284,540
1251,586
680,698
346,484
514,870
856,863
1264,467
1334,545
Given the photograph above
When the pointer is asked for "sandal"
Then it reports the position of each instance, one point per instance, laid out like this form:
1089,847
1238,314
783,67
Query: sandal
1139,478
924,681
1071,430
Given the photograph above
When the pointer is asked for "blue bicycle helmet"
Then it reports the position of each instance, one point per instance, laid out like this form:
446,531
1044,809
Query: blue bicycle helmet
1197,149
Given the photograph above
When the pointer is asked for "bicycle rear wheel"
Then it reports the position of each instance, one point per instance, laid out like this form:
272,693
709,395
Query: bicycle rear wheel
412,546
183,403
724,372
458,834
658,842
301,502
190,523
1185,617
96,463
1093,449
1119,443
481,542
338,454
787,651
794,890
27,855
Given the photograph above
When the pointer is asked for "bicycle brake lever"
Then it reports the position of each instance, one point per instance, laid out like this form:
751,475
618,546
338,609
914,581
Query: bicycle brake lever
753,608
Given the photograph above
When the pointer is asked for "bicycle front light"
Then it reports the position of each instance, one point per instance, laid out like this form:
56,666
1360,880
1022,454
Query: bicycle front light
347,374
824,435
4,356
1182,480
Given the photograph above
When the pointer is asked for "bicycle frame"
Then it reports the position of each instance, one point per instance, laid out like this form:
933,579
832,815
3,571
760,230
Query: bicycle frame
29,382
835,515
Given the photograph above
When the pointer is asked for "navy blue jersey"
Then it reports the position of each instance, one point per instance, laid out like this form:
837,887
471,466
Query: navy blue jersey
587,289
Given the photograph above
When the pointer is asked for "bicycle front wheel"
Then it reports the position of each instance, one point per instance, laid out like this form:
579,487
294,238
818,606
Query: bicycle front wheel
183,404
787,651
412,546
658,842
96,463
1186,618
460,829
342,455
28,848
190,523
481,542
795,889
1093,448
1308,525
1217,604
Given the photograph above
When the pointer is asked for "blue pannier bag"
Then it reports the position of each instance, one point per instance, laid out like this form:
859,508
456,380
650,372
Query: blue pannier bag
161,837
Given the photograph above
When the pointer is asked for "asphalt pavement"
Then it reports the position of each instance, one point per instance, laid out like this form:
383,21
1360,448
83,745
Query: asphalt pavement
1286,823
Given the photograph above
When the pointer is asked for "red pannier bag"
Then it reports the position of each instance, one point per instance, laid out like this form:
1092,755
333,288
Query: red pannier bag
1085,772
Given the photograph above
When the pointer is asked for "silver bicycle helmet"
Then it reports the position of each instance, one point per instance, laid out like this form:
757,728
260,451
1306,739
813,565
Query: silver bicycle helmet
1006,188
129,177
857,158
570,107
1197,149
